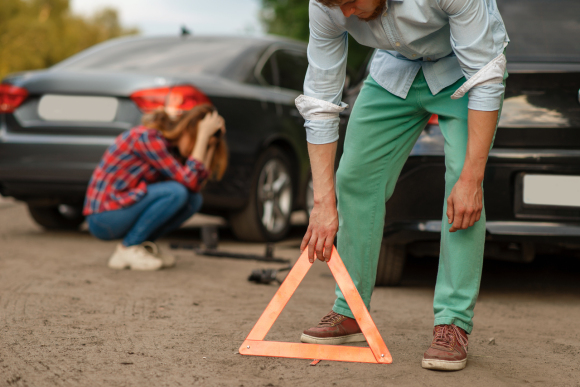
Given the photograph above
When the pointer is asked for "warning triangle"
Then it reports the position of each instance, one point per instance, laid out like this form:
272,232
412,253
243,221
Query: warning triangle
256,346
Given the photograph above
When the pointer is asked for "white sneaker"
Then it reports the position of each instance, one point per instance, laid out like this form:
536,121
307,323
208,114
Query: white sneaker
134,257
168,260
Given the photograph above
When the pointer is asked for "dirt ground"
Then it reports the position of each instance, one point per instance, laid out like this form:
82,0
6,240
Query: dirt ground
68,320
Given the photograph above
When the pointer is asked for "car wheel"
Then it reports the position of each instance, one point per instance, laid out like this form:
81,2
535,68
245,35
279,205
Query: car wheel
58,217
266,217
309,196
391,263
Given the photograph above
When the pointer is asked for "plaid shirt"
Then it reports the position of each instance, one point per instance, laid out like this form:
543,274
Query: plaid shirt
138,157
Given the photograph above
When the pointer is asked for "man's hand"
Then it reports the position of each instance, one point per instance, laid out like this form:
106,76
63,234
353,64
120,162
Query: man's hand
464,204
322,228
323,224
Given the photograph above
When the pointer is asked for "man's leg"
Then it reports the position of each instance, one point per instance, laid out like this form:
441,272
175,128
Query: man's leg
461,253
381,133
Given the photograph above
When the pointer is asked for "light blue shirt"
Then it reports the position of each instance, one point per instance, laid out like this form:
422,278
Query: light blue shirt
448,39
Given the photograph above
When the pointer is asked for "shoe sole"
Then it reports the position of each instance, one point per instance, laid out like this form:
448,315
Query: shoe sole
123,266
444,365
355,338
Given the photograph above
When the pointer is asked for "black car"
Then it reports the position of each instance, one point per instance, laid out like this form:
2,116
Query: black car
532,180
55,124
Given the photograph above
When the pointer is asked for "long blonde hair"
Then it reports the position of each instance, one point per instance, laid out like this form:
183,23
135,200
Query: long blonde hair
172,130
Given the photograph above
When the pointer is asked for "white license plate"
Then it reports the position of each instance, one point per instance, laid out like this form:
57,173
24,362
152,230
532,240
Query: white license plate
552,190
77,108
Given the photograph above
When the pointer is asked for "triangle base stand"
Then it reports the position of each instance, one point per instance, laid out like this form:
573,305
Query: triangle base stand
255,345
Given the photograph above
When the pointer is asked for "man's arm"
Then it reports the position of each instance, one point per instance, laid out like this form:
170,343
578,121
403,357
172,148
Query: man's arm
323,223
479,47
320,106
465,202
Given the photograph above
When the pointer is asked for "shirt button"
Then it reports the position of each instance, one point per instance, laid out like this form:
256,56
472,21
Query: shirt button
414,55
428,59
397,44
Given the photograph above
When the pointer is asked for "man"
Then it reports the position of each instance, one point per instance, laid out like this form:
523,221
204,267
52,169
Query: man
440,57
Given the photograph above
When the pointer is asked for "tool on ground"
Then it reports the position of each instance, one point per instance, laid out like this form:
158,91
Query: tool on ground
256,346
210,238
266,276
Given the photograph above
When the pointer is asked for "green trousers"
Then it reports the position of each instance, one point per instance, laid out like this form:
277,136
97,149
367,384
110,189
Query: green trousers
381,133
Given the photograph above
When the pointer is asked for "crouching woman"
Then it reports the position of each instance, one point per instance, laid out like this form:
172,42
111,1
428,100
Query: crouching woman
148,183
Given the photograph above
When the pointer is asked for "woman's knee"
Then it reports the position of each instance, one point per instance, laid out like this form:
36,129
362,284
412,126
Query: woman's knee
101,229
194,202
178,193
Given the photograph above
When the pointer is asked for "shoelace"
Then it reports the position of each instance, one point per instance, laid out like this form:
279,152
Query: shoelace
445,336
330,319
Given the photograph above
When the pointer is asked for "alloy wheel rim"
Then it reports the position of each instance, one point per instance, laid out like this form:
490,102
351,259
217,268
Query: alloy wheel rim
274,196
309,196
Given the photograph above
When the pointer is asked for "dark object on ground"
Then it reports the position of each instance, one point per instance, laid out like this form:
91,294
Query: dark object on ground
213,252
266,276
209,236
227,254
60,121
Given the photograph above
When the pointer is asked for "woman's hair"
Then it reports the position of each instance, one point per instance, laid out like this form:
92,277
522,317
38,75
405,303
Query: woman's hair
172,130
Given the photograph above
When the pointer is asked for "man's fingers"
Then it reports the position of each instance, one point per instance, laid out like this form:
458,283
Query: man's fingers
458,215
328,245
306,239
311,249
320,248
467,219
450,210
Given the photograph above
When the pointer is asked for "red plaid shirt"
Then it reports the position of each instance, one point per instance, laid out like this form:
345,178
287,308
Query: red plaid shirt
138,157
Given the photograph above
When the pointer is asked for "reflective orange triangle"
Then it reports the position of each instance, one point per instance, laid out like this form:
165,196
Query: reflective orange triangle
256,346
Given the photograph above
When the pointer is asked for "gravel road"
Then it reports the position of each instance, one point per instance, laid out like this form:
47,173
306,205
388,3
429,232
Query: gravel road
68,320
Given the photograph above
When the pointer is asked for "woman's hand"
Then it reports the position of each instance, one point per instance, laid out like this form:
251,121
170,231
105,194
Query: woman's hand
206,141
209,125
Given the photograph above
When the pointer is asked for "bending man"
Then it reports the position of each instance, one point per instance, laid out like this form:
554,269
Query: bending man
441,57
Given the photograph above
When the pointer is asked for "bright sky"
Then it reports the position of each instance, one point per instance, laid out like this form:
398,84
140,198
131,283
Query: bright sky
165,17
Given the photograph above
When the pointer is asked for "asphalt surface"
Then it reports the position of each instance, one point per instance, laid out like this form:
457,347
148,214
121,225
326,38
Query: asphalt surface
68,320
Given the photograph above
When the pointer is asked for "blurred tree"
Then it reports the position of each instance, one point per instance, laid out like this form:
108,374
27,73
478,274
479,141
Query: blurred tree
36,34
290,18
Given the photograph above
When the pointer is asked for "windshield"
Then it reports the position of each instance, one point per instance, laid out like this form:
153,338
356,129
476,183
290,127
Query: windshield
542,30
191,55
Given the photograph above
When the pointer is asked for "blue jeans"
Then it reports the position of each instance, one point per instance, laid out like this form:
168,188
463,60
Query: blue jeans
163,209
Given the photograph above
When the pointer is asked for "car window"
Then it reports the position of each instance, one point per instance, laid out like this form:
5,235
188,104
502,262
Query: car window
292,66
160,55
270,72
542,30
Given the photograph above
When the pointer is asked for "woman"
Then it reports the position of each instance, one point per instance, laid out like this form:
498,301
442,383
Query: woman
147,183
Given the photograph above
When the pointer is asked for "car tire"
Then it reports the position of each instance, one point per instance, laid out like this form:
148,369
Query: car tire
57,217
266,216
391,264
309,196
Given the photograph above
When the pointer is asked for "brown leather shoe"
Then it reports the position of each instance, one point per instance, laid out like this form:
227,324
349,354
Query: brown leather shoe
334,328
448,351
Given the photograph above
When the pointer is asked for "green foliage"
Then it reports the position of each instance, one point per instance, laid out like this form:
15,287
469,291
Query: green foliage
35,34
290,18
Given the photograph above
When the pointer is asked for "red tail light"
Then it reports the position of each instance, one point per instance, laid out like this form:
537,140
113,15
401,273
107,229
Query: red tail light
11,97
434,120
174,99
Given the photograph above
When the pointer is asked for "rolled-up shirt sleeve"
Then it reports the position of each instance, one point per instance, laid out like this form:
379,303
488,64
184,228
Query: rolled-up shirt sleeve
478,39
327,51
